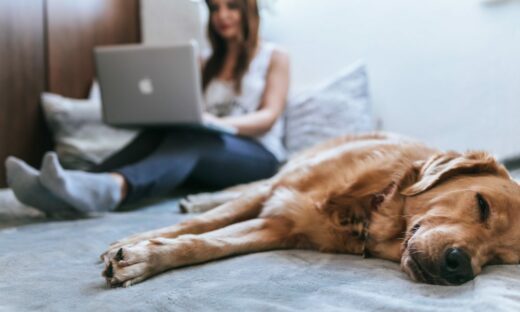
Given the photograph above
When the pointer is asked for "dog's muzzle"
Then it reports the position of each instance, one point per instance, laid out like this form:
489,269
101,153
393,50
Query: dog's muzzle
452,268
456,266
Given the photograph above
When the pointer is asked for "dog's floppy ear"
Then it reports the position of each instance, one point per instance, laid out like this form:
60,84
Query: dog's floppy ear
439,167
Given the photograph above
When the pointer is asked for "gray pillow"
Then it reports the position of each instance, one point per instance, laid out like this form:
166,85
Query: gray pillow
82,140
340,106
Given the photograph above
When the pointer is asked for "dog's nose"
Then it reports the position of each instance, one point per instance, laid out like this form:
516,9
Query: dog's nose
456,266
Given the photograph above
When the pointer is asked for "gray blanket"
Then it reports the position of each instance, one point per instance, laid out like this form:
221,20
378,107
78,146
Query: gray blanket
53,266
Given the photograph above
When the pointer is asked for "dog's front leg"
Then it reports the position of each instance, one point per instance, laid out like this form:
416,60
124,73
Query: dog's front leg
132,264
246,207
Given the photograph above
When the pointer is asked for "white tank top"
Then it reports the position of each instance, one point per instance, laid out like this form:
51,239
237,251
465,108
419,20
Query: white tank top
221,99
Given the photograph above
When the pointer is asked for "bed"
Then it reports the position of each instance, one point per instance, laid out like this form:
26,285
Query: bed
53,266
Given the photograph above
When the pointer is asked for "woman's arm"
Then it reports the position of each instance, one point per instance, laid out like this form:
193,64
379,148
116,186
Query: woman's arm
273,100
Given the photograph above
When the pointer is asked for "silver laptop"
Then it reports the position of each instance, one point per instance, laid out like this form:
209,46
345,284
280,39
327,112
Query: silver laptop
151,86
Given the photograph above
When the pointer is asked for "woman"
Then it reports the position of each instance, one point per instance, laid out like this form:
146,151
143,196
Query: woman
245,84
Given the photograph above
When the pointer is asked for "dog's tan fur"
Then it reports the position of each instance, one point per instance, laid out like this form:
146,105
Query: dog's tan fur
354,194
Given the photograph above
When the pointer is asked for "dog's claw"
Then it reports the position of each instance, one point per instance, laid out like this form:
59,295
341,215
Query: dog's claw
109,272
119,255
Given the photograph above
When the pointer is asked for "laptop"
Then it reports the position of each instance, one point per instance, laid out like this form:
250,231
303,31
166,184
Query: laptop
152,86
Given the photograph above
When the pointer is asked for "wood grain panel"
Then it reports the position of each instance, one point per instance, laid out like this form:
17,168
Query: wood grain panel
22,79
74,28
47,45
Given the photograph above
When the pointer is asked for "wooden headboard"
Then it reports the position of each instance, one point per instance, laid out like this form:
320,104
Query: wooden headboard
46,45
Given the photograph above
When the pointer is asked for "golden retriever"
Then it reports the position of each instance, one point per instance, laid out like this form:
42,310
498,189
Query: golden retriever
441,215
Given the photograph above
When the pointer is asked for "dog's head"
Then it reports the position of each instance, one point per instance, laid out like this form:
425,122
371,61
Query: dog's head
462,212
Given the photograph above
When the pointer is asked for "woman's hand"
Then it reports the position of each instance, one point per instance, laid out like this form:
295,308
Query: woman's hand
212,120
208,118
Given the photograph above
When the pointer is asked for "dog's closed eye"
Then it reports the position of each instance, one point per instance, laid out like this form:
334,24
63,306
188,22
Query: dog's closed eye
415,228
483,207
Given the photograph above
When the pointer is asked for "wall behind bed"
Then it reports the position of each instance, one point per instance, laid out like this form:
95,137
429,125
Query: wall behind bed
46,45
445,71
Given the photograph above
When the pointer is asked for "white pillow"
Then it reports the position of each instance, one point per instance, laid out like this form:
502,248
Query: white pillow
340,106
81,138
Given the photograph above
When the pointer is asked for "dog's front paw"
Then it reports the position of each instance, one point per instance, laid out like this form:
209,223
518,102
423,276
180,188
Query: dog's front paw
116,246
132,240
111,252
131,264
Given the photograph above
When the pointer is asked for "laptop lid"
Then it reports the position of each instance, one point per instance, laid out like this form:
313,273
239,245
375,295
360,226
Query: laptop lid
149,85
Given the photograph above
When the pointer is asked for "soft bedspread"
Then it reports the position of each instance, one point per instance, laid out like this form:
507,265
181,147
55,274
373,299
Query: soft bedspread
54,267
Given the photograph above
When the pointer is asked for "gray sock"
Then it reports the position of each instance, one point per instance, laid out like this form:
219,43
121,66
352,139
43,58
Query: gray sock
88,192
23,180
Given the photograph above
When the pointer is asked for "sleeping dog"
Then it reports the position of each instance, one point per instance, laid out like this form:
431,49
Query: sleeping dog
442,215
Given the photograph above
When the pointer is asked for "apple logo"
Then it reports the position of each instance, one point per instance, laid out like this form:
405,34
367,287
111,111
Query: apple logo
146,86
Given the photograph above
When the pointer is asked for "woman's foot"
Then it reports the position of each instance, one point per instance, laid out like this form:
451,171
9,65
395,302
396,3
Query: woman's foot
23,180
87,192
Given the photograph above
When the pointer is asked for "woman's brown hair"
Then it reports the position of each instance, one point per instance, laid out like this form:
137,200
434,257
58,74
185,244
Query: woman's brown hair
247,45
